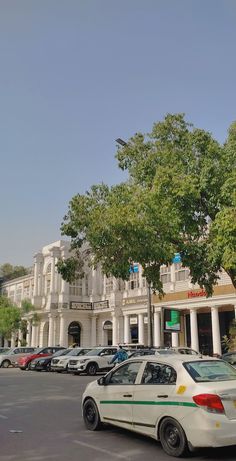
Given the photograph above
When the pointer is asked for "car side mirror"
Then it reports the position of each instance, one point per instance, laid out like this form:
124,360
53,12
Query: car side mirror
102,381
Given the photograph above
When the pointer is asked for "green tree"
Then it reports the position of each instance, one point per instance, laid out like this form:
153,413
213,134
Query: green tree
9,272
179,198
10,317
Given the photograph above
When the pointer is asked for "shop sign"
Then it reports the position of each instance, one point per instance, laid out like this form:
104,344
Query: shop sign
107,325
80,306
136,300
101,304
196,294
133,320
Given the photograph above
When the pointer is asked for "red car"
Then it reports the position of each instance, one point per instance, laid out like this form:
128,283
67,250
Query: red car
40,352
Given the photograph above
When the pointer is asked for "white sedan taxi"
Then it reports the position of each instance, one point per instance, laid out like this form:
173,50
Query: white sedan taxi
184,402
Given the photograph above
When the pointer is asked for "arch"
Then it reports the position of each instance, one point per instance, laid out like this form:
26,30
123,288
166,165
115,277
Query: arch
107,330
74,333
44,334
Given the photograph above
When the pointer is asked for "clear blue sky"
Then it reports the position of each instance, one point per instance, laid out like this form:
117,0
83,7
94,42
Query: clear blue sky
77,74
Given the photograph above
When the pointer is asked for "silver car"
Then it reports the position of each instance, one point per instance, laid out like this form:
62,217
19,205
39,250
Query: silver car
10,357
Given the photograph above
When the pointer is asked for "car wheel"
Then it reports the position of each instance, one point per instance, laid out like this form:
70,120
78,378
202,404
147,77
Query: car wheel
91,415
92,369
173,438
5,364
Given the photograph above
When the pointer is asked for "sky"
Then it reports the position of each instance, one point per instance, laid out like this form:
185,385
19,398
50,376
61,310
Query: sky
77,74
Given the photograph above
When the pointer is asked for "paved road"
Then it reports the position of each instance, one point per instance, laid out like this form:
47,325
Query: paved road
46,408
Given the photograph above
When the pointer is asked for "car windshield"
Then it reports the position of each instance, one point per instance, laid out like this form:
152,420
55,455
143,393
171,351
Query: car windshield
94,351
61,352
165,351
210,370
38,350
9,352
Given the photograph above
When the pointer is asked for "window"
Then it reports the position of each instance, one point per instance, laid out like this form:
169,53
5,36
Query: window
86,285
108,352
165,275
76,288
211,370
133,281
181,273
125,374
109,285
158,373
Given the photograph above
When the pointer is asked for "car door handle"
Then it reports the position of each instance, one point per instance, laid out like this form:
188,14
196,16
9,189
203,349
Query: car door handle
163,396
127,395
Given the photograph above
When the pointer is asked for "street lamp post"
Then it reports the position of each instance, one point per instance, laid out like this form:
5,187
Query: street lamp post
149,315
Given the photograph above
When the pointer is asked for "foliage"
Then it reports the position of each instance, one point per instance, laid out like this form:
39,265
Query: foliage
10,317
179,198
9,272
229,342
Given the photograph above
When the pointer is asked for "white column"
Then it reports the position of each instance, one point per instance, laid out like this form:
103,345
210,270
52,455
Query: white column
140,329
157,329
215,330
51,331
52,281
36,278
13,339
28,334
235,311
34,336
93,340
63,333
114,330
175,339
20,337
126,329
194,330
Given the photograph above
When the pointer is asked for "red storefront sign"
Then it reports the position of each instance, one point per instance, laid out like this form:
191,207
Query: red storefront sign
196,294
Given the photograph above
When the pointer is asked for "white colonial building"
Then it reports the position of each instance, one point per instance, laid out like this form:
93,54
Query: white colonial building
97,310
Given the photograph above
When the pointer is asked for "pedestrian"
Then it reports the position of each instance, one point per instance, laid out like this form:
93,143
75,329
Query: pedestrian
119,356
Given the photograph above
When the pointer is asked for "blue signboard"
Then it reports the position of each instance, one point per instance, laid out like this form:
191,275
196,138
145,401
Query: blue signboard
176,258
133,268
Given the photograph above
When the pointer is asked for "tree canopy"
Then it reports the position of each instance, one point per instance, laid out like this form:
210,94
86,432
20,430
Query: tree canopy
10,317
180,197
9,272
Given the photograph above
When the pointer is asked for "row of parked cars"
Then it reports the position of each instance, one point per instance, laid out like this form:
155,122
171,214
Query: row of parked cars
82,359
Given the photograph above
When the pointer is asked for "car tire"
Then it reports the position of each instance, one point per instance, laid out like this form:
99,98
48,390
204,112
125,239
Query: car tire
173,438
92,369
5,364
91,415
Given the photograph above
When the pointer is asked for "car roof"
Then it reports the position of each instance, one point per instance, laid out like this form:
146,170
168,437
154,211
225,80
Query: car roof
172,358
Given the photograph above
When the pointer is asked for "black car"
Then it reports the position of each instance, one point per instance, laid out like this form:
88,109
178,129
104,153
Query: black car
44,363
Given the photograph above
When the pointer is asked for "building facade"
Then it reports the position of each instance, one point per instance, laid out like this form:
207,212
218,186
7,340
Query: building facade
100,310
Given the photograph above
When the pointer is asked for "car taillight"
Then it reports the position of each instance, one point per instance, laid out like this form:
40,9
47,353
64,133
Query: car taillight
210,402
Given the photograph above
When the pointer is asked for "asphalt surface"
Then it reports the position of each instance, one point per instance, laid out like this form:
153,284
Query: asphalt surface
46,410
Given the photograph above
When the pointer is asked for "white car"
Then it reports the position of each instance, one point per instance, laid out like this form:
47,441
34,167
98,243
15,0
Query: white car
60,363
184,402
97,359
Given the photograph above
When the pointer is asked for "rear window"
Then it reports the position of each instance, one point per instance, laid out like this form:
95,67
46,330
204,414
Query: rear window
210,370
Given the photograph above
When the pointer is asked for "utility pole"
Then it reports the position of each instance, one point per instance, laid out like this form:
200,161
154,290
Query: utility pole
149,315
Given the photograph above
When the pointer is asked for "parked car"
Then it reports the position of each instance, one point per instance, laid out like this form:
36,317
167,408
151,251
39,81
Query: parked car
24,362
60,364
4,349
44,363
150,351
184,402
230,357
97,359
10,357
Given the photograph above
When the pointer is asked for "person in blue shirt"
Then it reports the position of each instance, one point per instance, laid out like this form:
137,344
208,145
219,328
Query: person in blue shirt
119,356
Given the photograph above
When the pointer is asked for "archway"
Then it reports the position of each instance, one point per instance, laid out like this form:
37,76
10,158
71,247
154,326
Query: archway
45,331
74,334
107,327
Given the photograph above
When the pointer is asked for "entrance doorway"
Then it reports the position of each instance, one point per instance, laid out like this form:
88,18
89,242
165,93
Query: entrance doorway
74,334
107,327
